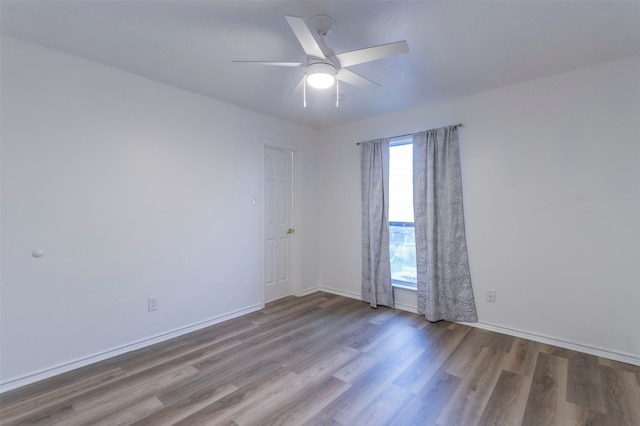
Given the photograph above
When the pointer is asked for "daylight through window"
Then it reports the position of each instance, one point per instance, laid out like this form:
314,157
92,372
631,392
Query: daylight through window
402,241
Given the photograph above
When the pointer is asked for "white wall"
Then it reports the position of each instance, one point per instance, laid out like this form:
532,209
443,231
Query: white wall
551,179
137,189
133,189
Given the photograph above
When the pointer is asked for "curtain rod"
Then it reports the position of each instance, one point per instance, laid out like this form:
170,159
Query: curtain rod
402,136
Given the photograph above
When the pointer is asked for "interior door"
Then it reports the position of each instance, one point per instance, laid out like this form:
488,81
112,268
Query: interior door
278,223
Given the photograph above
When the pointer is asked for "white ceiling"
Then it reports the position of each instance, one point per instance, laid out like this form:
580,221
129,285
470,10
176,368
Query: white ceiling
456,48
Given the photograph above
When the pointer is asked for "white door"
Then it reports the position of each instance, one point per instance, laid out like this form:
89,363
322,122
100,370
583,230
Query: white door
278,224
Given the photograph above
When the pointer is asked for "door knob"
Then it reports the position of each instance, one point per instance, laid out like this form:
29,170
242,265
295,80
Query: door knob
290,231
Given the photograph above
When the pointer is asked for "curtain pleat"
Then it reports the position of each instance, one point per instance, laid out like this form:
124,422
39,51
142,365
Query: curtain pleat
443,276
376,264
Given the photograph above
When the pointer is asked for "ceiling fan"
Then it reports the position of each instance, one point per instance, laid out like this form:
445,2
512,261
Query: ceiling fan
323,71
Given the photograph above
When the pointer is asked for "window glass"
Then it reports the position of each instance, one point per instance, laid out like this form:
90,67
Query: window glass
401,183
402,242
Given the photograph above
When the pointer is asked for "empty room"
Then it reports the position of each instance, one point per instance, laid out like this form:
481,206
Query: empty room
319,212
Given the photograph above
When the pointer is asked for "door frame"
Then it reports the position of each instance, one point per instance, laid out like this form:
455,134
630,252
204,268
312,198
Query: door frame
295,214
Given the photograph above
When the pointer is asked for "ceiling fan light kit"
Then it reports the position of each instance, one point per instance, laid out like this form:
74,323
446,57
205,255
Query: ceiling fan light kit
321,75
321,78
324,71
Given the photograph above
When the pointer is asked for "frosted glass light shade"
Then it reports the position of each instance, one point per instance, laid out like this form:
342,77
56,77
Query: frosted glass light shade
321,76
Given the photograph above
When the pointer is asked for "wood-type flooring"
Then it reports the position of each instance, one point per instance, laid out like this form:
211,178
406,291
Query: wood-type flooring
328,360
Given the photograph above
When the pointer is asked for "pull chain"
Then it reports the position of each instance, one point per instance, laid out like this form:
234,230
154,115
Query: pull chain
337,94
304,90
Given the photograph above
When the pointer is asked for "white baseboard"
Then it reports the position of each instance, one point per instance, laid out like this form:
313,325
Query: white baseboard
101,356
404,303
339,292
555,341
308,291
401,302
407,308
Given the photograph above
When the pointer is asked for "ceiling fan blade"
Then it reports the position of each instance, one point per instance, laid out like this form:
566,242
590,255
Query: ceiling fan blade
305,37
351,77
275,63
297,87
369,54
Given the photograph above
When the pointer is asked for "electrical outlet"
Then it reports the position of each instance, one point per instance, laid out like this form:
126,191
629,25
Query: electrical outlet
152,304
491,295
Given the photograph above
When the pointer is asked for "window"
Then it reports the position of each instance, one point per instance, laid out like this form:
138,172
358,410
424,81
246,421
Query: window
402,241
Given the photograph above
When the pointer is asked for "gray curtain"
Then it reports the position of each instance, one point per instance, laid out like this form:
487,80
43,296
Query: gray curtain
443,277
376,265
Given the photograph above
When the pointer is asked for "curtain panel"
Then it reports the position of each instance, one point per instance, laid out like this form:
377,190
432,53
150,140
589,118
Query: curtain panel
443,276
376,263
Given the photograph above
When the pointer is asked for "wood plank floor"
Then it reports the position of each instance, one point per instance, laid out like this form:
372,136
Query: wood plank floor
328,360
